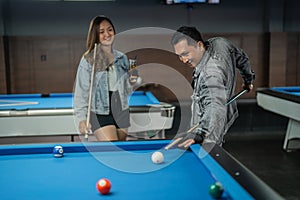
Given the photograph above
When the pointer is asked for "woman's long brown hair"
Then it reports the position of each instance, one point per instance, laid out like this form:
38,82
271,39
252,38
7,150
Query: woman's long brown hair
93,34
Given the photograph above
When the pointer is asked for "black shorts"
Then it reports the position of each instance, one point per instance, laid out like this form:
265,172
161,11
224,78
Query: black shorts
116,116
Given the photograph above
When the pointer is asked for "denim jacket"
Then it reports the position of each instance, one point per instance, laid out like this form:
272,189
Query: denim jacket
214,84
100,94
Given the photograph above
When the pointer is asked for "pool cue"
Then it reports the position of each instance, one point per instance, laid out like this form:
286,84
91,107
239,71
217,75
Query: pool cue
86,136
236,96
191,129
178,139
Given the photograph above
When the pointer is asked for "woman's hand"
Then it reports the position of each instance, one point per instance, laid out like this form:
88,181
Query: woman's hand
83,129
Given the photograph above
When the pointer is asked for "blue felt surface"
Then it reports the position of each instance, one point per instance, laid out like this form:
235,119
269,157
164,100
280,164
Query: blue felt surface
74,176
293,90
53,101
64,100
140,98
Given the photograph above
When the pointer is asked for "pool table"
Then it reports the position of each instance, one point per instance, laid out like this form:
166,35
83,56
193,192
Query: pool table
52,114
284,101
32,172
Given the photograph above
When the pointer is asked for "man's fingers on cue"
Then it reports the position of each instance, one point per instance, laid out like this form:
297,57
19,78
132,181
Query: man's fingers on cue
173,143
187,143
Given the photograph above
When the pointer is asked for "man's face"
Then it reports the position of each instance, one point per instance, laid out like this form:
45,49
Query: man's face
189,54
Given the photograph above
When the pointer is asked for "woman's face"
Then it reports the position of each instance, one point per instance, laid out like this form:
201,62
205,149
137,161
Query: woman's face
106,33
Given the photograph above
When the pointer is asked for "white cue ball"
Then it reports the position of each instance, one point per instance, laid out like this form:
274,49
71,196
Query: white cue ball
157,157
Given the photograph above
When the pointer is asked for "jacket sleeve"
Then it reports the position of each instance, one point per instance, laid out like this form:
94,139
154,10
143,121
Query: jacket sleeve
244,66
81,92
128,85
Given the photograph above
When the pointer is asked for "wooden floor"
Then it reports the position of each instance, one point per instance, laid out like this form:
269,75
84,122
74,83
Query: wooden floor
262,153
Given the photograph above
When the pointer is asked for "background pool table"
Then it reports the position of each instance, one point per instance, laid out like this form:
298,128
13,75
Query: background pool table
52,114
284,101
32,172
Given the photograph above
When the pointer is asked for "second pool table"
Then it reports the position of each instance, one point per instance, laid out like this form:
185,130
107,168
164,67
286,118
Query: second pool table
52,114
284,101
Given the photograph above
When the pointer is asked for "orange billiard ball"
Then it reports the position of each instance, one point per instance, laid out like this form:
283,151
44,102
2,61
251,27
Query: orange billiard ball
103,186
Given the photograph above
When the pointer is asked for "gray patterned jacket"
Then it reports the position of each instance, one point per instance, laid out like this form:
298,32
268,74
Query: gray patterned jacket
214,84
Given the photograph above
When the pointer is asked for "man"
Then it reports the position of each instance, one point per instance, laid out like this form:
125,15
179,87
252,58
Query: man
215,62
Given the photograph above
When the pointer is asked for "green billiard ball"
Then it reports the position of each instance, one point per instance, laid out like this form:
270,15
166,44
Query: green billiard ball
216,190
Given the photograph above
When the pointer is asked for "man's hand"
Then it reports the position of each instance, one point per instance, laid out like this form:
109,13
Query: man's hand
248,87
186,139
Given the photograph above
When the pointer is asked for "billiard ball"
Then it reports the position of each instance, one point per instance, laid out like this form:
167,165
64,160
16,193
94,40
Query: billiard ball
216,190
103,186
58,151
157,157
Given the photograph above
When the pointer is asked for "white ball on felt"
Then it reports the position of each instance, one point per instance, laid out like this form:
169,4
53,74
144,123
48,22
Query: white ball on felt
157,157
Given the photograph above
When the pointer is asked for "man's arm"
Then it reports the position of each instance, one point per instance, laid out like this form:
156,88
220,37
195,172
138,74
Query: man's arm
244,66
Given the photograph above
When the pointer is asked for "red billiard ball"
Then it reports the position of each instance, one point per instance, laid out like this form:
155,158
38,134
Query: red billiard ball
103,186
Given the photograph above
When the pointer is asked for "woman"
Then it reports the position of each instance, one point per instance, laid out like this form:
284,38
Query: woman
109,117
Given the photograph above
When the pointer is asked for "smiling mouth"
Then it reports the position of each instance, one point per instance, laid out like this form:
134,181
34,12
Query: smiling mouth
189,63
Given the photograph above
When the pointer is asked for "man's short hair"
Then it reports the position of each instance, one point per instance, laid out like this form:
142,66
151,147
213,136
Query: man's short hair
191,34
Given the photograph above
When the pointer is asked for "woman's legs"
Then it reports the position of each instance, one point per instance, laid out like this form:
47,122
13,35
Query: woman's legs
122,133
110,133
106,133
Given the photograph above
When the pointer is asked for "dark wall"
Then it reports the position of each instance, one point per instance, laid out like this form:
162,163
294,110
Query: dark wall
42,17
42,41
